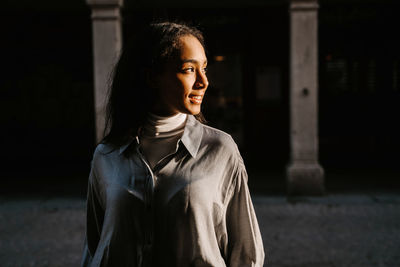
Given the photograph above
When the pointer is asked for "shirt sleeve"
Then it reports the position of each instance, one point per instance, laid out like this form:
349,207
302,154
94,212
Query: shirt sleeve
245,247
94,220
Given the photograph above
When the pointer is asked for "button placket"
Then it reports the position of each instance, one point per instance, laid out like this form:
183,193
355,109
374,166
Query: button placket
149,212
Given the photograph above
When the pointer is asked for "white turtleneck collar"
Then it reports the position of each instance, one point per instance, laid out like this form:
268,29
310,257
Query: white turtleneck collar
158,126
159,136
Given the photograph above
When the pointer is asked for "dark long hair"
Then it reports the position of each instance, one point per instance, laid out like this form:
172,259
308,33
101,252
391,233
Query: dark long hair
130,96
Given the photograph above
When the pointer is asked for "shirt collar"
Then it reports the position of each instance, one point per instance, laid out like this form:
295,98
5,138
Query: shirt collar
191,137
124,147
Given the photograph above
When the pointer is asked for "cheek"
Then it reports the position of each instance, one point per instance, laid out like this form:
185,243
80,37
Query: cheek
177,88
186,86
174,94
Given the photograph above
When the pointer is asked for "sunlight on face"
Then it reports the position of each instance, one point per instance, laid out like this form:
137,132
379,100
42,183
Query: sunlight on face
181,87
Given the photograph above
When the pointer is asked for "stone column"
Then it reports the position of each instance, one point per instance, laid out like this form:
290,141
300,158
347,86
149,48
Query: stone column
304,174
107,43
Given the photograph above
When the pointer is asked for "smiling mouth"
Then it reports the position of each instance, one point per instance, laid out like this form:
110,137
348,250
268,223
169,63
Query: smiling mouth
196,99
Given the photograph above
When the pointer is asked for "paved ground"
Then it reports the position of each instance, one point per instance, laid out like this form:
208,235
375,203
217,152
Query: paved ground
338,230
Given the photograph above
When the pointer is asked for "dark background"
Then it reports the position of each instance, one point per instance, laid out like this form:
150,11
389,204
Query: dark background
47,112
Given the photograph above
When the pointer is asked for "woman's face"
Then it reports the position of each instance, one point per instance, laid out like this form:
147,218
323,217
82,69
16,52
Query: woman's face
182,85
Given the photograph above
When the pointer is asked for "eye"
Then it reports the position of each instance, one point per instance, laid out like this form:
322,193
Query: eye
205,70
188,70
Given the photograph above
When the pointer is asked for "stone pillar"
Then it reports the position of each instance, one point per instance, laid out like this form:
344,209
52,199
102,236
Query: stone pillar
304,174
107,43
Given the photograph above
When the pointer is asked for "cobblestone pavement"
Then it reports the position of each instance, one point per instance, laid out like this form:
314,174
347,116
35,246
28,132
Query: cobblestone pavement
338,230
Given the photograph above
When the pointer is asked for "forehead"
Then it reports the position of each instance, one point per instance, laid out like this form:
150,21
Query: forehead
191,48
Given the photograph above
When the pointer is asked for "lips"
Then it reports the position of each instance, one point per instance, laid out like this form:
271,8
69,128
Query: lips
196,99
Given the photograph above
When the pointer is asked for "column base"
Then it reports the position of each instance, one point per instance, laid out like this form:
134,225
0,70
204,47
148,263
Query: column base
305,179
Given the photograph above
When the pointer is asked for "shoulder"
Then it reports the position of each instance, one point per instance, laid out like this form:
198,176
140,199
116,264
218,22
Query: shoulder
223,149
104,149
220,140
106,163
217,135
103,154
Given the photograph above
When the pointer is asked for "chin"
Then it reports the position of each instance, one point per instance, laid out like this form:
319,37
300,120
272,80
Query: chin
192,110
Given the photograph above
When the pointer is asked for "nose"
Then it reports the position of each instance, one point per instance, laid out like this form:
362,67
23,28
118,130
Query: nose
201,81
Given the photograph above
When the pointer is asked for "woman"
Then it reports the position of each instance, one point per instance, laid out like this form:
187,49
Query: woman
165,189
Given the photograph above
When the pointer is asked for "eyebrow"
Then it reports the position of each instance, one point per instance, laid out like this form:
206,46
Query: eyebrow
192,61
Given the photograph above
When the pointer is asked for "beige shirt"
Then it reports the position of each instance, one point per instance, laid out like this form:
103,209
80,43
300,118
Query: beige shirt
193,209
